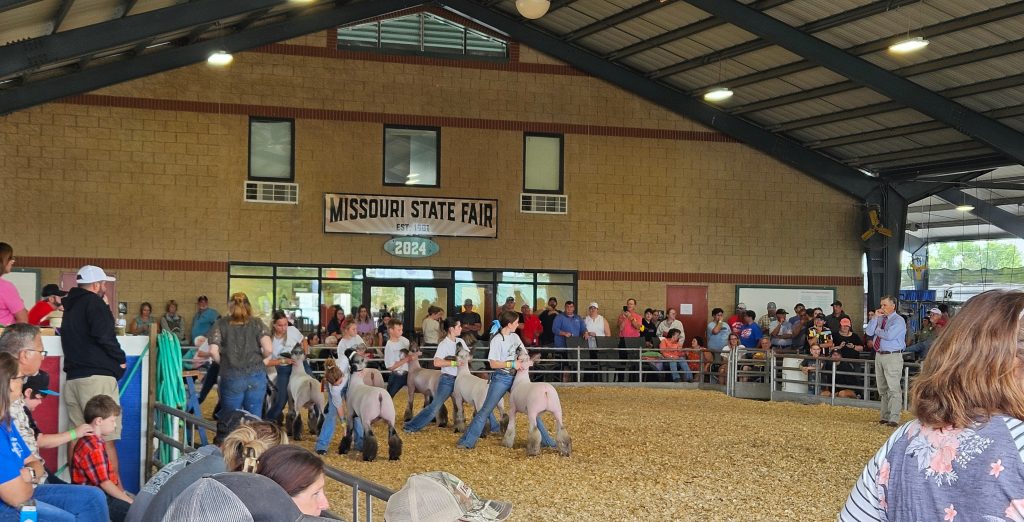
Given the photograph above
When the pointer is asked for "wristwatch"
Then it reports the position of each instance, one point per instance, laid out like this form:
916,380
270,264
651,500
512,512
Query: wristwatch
32,471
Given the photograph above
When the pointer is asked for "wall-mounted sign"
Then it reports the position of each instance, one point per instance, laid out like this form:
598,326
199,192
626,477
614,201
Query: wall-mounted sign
411,247
410,216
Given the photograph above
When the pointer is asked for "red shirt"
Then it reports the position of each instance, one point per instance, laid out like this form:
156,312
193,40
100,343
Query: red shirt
89,464
38,312
532,328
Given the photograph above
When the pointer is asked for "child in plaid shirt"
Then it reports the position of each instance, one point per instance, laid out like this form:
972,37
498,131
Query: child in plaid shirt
90,464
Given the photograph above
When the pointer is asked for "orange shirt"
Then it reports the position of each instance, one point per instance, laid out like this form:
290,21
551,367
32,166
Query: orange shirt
670,349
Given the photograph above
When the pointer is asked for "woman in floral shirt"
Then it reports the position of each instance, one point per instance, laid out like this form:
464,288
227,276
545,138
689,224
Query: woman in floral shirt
963,458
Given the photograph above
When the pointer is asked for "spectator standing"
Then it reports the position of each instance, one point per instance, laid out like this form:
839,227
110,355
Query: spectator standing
845,340
766,320
890,333
629,322
781,331
469,319
547,321
671,322
566,325
718,330
531,327
432,333
39,315
597,326
204,318
750,332
961,454
799,326
93,359
832,321
822,335
736,320
239,342
90,465
143,321
12,308
649,328
18,481
173,322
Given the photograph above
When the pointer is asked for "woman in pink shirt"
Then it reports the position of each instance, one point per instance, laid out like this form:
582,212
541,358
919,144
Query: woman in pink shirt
12,308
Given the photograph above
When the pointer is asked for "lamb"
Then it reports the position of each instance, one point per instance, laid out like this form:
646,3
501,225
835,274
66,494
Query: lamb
370,403
534,398
472,389
423,380
303,393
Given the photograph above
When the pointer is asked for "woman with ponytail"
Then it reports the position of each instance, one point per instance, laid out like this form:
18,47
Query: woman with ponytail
240,343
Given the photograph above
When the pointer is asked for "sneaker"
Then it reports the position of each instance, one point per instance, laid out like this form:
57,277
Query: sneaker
463,446
321,452
883,422
892,424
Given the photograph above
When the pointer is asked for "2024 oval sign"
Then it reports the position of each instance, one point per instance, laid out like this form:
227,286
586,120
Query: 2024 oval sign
411,247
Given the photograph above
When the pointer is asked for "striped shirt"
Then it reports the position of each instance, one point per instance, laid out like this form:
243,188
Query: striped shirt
922,473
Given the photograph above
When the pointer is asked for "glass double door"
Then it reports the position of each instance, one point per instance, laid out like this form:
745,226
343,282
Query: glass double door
408,301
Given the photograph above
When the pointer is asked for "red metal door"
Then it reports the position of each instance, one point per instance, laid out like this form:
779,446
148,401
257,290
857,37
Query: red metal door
692,305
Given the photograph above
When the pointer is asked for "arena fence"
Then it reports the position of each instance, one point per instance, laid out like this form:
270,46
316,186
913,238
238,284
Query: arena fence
364,492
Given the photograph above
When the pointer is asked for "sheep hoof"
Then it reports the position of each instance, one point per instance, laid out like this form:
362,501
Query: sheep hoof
533,442
370,447
564,442
394,446
297,428
408,413
443,417
504,422
509,439
345,444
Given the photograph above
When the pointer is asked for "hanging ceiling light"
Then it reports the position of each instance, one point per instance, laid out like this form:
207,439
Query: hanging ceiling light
909,45
718,94
965,207
533,9
220,58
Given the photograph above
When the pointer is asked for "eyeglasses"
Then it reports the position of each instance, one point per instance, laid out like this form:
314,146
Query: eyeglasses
22,378
42,353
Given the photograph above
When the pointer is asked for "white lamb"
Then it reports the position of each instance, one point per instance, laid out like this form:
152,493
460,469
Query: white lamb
534,398
370,403
304,393
472,389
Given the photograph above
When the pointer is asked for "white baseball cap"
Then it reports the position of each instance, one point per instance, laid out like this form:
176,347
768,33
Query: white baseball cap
92,274
594,305
437,496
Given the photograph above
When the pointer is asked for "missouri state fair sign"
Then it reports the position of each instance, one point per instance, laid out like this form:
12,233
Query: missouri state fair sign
410,216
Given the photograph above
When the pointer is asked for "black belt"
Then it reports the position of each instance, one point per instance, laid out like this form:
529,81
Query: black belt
506,371
891,351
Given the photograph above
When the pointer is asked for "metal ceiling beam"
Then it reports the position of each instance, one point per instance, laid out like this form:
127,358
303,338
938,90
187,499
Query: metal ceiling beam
902,73
990,132
991,160
61,14
623,16
945,207
957,24
826,23
845,179
29,55
916,152
162,60
7,5
127,6
906,130
952,223
967,237
1009,222
682,32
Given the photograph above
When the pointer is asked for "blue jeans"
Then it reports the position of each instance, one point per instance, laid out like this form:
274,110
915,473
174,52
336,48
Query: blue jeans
397,382
327,430
444,390
499,385
284,373
64,503
675,366
243,392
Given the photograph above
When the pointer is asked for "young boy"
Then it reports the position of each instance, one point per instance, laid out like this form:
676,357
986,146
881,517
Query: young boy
336,381
396,357
811,367
90,464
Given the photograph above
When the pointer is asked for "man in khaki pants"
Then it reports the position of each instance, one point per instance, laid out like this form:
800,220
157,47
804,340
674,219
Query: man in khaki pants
93,359
890,341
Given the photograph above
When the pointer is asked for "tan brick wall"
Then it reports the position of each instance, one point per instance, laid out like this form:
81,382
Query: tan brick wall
92,181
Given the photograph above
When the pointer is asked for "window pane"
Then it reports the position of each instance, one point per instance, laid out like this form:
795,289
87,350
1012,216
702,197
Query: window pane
341,273
297,271
478,44
526,277
562,293
466,275
401,33
523,294
346,294
247,270
543,163
410,157
482,296
358,36
407,273
440,35
270,149
547,277
260,293
300,299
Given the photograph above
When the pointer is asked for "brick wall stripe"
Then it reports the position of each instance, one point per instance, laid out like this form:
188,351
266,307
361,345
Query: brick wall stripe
181,265
127,102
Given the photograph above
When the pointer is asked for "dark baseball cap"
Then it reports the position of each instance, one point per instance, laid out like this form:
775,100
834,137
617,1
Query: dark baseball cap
53,290
40,384
836,303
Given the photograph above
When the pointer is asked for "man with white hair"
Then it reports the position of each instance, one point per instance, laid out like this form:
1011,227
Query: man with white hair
93,359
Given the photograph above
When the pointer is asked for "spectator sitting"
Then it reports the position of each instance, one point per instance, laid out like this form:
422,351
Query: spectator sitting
143,321
90,465
936,323
40,314
300,473
733,349
844,384
649,329
172,322
235,497
35,389
337,322
672,349
845,339
811,367
382,329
